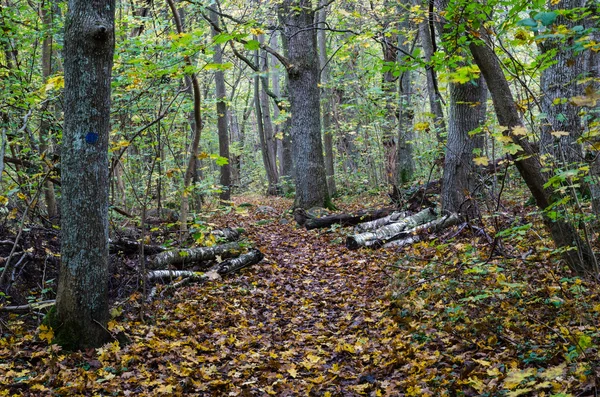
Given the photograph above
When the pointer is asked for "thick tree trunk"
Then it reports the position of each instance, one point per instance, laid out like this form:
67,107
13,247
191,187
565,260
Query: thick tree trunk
327,101
221,96
390,127
390,232
82,298
564,234
297,19
466,113
558,84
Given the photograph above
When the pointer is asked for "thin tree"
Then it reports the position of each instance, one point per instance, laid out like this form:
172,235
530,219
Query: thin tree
225,171
327,106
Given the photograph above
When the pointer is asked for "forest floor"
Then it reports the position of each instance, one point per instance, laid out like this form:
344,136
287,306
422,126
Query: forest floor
442,317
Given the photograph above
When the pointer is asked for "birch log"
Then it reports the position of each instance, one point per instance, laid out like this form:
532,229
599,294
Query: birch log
416,234
377,223
390,232
343,219
184,257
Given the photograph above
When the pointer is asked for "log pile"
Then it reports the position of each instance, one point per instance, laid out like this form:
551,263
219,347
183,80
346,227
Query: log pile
382,228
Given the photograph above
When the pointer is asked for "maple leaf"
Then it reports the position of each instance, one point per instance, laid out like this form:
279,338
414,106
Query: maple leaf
46,333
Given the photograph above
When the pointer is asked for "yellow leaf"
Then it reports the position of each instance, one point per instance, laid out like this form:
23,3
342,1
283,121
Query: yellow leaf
3,200
166,389
292,371
46,333
481,160
257,31
421,126
504,139
558,134
519,130
515,377
57,82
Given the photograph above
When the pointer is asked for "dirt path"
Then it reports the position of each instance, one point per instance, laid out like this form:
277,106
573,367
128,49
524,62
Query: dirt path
311,318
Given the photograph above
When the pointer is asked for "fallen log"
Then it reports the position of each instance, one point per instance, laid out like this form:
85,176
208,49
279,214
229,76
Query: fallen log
377,223
390,232
131,246
252,257
416,234
345,219
214,273
184,257
28,307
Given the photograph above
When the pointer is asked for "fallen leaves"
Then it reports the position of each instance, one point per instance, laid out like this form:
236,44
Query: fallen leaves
316,319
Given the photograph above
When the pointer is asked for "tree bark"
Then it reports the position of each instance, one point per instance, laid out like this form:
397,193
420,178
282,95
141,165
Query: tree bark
466,114
390,97
416,234
297,18
327,101
265,124
428,44
558,85
340,219
45,133
221,96
181,258
405,162
390,232
564,234
82,298
192,80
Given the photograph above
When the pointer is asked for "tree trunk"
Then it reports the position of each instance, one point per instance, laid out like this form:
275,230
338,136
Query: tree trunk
558,85
327,102
428,44
260,125
287,159
45,133
82,299
221,96
405,163
192,80
268,130
466,114
297,18
564,234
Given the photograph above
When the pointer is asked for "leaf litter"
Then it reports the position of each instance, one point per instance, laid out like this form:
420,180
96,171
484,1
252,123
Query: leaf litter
442,317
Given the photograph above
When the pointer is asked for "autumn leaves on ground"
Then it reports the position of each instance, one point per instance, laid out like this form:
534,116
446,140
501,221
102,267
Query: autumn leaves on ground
443,317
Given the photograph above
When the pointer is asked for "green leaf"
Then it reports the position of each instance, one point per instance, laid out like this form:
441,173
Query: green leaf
546,18
527,22
252,45
222,38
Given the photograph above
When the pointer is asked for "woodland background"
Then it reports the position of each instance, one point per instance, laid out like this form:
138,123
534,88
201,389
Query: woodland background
255,114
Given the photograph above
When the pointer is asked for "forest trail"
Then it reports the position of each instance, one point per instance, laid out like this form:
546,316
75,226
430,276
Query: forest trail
311,318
